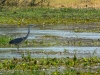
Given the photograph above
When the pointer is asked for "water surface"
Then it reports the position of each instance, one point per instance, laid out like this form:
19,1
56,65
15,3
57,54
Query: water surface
59,34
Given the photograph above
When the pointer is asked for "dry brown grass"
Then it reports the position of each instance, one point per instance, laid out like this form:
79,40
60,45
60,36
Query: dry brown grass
75,3
62,3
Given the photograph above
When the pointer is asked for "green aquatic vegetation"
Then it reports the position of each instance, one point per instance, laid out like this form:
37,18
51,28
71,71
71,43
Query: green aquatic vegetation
75,59
96,30
27,15
50,65
4,40
57,42
65,51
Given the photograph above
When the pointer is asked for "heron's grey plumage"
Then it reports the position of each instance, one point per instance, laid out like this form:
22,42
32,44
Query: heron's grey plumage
18,41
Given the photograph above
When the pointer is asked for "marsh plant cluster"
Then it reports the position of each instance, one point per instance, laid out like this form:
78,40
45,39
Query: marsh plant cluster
52,66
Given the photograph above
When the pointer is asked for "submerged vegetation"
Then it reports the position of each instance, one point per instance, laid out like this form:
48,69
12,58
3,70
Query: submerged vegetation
44,16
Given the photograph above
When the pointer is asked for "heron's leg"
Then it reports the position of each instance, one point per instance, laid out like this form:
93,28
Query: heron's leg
17,45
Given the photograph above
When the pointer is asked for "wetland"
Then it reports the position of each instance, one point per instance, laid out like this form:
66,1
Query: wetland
64,41
51,49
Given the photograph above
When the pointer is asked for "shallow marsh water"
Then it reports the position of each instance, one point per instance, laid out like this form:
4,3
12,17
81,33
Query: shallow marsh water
60,41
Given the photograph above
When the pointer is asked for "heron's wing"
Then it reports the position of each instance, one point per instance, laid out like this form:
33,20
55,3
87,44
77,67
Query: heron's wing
16,41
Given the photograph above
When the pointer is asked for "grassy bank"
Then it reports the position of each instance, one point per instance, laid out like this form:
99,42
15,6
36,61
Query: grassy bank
54,16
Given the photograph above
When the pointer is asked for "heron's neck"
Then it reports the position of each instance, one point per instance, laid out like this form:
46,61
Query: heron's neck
28,32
